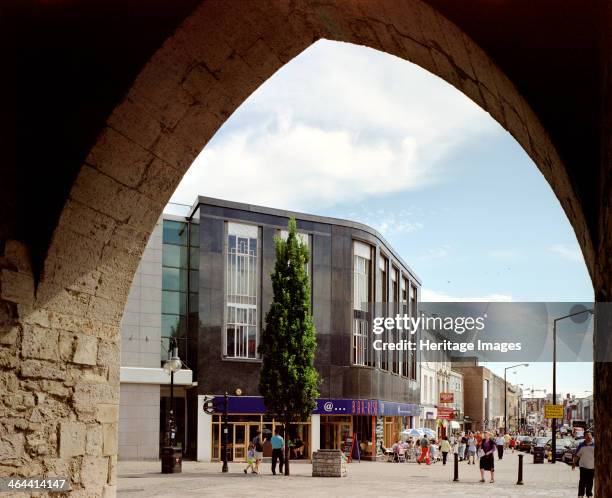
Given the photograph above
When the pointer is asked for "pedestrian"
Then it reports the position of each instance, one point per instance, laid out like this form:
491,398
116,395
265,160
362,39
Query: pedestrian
250,459
445,448
424,444
433,451
471,446
278,444
513,444
487,460
499,442
258,444
585,454
462,446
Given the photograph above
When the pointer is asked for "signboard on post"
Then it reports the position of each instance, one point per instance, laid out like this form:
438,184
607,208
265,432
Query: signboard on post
553,411
446,413
447,397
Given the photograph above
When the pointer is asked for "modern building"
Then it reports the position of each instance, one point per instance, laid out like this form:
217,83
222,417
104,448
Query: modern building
484,397
207,280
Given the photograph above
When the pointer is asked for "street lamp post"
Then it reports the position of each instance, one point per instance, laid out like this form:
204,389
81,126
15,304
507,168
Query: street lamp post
506,393
576,311
170,462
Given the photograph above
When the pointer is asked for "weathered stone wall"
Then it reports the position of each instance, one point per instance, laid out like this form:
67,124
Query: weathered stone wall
328,463
59,379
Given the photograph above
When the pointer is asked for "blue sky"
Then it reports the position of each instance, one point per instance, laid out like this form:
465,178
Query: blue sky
350,132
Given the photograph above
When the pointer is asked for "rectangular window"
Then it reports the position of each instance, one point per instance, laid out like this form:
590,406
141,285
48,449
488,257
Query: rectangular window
304,239
362,256
241,334
404,308
361,276
360,341
382,295
413,313
395,357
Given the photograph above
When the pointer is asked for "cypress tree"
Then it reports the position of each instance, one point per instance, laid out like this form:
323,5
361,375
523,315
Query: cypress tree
288,380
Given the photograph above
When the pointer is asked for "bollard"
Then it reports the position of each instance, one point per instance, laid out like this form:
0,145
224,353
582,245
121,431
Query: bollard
520,471
456,477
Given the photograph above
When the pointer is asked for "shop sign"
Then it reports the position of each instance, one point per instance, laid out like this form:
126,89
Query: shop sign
447,397
446,413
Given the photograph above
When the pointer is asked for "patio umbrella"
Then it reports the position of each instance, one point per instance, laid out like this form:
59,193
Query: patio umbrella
429,432
412,433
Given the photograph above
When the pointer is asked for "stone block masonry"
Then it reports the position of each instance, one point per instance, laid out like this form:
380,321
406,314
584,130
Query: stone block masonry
59,388
328,463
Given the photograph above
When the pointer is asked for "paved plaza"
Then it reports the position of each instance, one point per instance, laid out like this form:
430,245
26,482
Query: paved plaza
379,479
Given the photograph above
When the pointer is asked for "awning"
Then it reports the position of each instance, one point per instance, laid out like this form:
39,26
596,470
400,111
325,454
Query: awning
454,424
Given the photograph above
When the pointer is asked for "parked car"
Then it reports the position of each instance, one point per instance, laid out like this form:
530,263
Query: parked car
570,451
538,442
568,455
524,443
562,445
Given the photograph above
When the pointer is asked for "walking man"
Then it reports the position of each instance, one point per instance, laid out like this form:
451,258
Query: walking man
585,453
278,445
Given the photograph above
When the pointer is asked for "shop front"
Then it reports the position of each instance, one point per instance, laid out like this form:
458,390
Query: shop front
371,424
367,424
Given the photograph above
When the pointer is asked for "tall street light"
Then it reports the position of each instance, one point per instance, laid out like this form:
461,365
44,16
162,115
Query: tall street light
578,315
169,459
506,393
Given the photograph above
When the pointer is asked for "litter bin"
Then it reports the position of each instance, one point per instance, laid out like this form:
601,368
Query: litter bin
538,454
172,460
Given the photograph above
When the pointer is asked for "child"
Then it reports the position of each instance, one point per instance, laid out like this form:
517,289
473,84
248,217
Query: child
250,459
433,449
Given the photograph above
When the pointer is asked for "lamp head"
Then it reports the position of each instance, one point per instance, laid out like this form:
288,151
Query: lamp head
173,365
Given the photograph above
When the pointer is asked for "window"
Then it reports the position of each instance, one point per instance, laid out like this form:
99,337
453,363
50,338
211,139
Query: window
395,356
360,341
413,313
361,276
241,331
304,238
404,308
362,256
382,296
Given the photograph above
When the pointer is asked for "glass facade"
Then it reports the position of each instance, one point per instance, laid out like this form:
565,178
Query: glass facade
180,274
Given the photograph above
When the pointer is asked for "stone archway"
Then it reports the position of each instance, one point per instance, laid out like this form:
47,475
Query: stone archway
61,361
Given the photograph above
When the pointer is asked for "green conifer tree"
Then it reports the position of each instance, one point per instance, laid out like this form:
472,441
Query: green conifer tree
288,380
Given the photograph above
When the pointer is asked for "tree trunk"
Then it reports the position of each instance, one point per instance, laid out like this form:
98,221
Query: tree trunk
286,431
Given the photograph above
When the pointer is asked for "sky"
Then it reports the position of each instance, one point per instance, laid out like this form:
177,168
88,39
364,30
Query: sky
350,132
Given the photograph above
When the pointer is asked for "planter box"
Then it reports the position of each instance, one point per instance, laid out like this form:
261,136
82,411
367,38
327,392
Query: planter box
328,463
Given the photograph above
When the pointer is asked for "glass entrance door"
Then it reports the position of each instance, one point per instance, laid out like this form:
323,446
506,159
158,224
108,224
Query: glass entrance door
240,442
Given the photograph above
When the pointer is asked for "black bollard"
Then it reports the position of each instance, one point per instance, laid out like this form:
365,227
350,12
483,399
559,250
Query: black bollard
520,475
456,477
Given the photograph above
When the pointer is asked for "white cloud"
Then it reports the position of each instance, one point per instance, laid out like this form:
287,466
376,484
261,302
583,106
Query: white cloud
566,252
338,123
436,254
432,296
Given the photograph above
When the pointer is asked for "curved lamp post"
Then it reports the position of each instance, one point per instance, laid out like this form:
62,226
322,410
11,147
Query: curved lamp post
506,392
172,365
578,314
